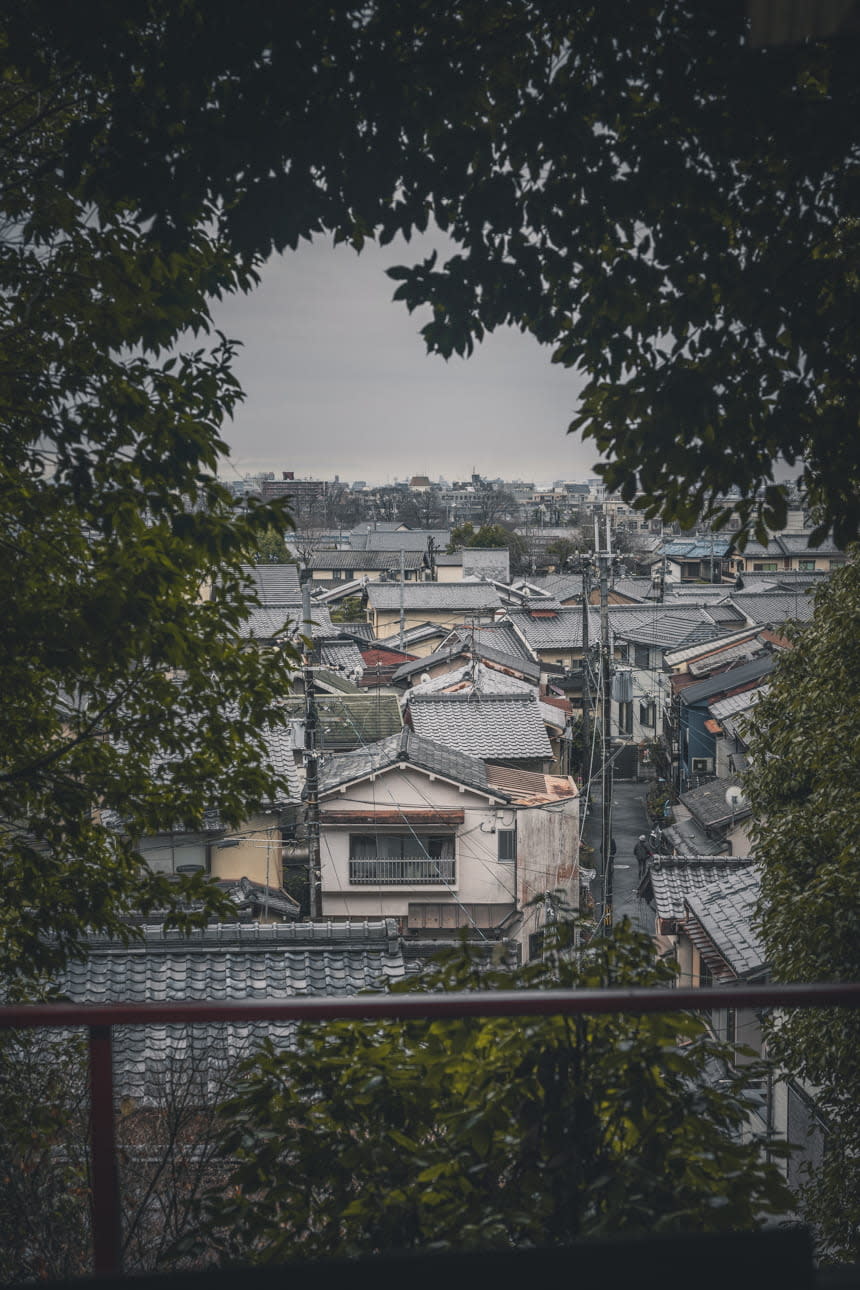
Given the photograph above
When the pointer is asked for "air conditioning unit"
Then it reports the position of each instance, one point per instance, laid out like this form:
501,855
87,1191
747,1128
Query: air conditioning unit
702,765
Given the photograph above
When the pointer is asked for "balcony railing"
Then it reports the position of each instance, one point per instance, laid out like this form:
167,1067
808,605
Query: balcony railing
401,873
100,1020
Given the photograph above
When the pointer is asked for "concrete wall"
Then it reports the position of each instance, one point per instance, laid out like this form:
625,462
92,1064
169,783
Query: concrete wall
257,854
547,859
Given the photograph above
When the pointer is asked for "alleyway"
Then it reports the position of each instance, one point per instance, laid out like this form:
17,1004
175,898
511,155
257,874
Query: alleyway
628,821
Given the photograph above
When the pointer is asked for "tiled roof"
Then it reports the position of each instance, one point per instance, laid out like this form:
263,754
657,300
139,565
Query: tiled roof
740,652
708,806
413,635
474,677
342,654
233,961
702,649
673,878
351,720
434,596
725,913
491,726
774,608
663,625
407,748
275,584
286,621
462,646
371,560
279,750
560,586
562,631
499,637
329,681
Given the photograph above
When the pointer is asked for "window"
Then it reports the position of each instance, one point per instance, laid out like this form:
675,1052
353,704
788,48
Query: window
731,1026
625,718
641,656
647,714
165,854
507,840
392,859
808,566
765,566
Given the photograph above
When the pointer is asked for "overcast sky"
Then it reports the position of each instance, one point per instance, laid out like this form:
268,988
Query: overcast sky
338,382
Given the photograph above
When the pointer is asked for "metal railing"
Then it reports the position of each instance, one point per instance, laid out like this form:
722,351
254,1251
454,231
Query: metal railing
404,872
99,1019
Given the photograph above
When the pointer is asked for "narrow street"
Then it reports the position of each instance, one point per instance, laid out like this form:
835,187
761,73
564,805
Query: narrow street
628,821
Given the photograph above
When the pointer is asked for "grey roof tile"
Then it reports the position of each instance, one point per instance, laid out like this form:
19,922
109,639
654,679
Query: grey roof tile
674,878
725,913
491,726
708,806
734,678
407,748
229,961
460,597
774,608
276,585
561,630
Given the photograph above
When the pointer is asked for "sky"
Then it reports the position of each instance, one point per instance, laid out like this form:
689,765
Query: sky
338,382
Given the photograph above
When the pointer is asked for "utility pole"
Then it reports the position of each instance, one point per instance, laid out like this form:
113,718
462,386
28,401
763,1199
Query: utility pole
312,799
402,599
604,562
587,767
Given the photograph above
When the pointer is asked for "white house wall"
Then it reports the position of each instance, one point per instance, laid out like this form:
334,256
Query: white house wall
480,878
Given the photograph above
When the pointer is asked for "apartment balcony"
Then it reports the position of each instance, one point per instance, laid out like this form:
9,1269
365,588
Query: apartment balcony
409,871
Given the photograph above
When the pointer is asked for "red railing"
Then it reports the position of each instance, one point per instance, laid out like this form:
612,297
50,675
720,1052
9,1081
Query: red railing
101,1018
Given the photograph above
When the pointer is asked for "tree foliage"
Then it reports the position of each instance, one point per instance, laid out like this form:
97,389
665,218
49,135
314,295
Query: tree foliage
804,788
491,1132
668,208
488,535
130,701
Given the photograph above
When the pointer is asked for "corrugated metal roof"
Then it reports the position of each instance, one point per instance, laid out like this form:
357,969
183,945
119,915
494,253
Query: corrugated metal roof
734,678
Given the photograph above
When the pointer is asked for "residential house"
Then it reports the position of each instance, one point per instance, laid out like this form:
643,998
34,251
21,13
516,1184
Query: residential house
717,942
350,566
702,675
730,718
255,849
642,636
788,551
443,604
699,559
442,840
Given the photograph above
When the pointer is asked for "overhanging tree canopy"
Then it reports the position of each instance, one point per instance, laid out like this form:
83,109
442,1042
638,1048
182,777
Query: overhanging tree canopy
672,211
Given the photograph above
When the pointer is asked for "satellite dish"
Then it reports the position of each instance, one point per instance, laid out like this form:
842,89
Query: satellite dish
425,677
734,797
